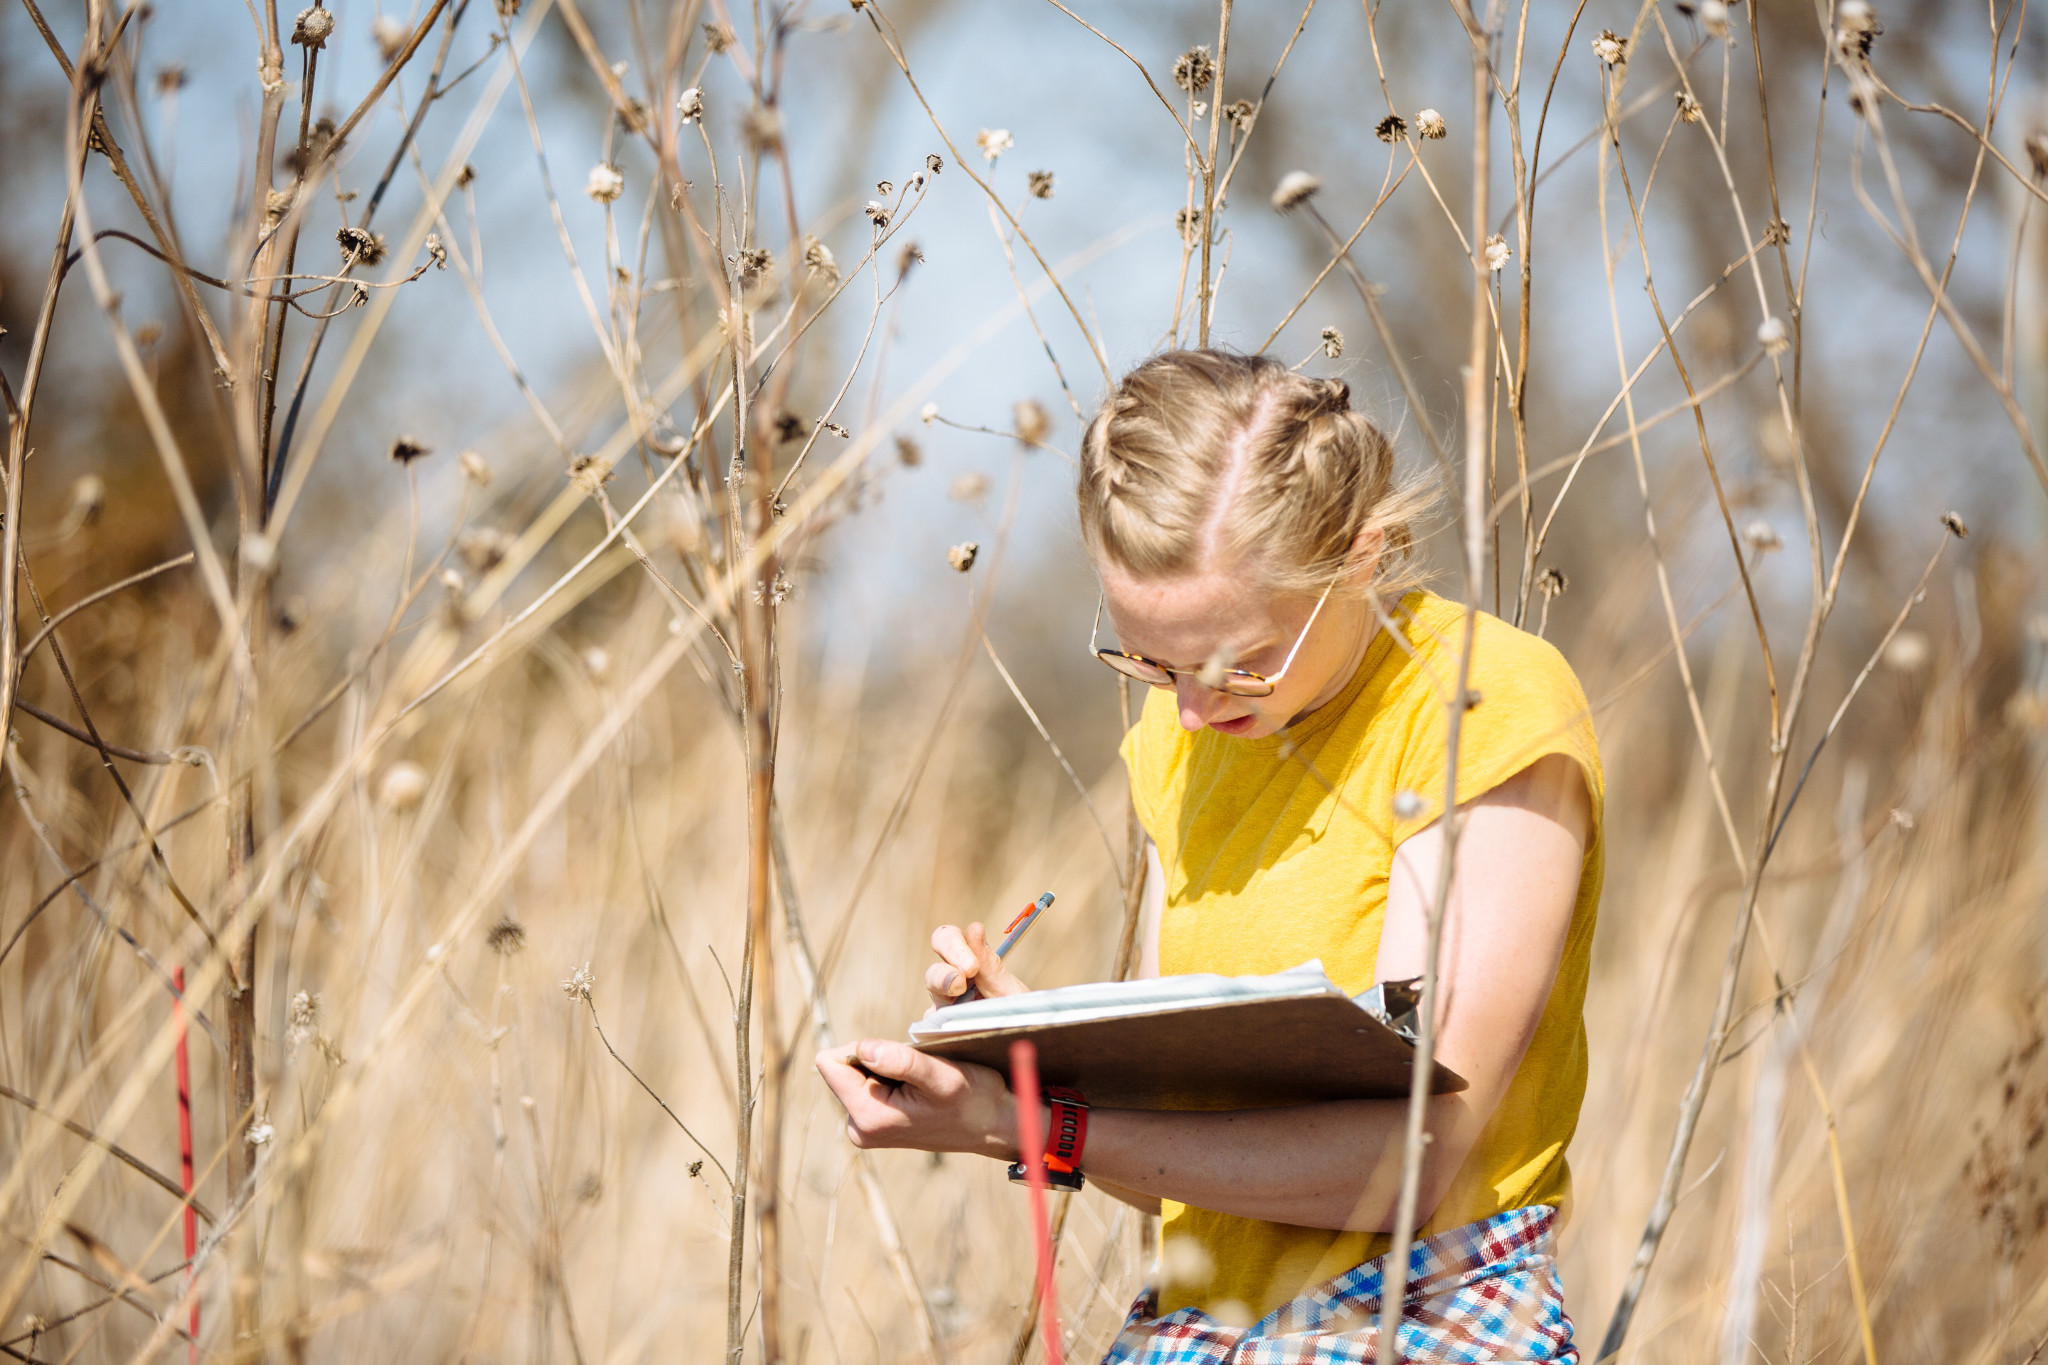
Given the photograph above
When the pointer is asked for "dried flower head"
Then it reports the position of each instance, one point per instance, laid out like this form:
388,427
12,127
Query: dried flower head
970,488
406,449
841,432
788,427
1030,421
1431,125
391,35
313,28
928,414
1392,128
597,662
1762,537
1553,583
1688,108
1295,189
149,334
577,987
1954,522
170,78
1774,336
1610,47
474,469
1855,27
911,254
437,250
303,1017
1188,223
590,473
690,105
403,787
909,452
2037,152
508,9
1194,69
993,143
35,1324
819,261
1040,184
1497,252
465,177
717,38
775,591
606,183
934,163
260,1132
1777,232
483,548
360,247
506,937
752,264
878,214
961,556
1333,343
1239,114
1908,652
763,127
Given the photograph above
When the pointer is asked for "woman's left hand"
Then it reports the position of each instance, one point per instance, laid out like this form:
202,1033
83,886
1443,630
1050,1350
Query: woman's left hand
921,1102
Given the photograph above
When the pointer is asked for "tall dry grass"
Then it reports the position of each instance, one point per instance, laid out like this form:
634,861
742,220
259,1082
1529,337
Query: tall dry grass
520,833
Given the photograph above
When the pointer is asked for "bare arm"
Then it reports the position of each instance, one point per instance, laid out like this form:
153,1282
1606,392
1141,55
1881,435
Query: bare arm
1323,1165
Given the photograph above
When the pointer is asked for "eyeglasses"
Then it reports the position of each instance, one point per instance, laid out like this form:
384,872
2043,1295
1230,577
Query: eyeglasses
1237,682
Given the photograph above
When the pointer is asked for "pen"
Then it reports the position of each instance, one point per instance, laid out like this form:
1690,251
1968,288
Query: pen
1025,919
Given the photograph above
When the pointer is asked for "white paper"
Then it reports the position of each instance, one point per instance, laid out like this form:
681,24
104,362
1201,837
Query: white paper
1122,999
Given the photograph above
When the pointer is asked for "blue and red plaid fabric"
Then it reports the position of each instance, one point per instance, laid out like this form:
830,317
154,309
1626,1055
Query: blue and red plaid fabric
1487,1291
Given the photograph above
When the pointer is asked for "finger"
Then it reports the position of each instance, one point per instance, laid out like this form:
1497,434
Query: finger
944,982
956,948
899,1062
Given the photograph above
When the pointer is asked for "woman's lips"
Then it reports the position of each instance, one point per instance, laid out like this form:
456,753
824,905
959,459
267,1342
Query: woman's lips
1234,727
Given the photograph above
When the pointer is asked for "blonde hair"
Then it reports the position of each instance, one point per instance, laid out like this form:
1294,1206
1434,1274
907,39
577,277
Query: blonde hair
1210,457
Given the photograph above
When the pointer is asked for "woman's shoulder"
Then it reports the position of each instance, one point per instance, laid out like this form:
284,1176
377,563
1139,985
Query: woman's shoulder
1506,660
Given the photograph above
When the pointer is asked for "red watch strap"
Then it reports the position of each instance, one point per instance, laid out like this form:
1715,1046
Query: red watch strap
1068,1133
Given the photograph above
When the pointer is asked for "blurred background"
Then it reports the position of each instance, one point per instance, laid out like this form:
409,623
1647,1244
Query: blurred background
458,738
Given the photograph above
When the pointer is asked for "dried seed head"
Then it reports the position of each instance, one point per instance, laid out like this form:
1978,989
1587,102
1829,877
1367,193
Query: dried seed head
1295,189
303,1015
1553,583
88,499
909,452
1210,674
149,334
878,214
928,414
35,1324
363,248
465,177
1774,336
1610,47
841,432
775,591
508,9
1688,107
1188,223
506,937
1030,421
934,163
390,34
1407,805
690,105
1855,27
474,469
1040,184
970,488
1333,343
1908,652
597,662
1497,252
752,264
911,254
437,250
2037,152
577,987
788,427
606,183
763,127
170,78
1239,114
885,188
1777,232
961,556
717,37
1762,537
818,260
1392,128
403,786
1954,522
313,28
1714,17
590,473
1193,70
993,143
483,548
1431,124
406,449
260,1132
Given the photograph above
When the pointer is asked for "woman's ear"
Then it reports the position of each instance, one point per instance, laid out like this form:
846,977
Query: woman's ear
1364,560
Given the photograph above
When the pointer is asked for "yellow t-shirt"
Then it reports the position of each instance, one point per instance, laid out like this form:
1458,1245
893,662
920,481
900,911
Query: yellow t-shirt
1267,867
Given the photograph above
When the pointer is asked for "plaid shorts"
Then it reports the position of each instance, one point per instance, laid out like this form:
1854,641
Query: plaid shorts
1487,1291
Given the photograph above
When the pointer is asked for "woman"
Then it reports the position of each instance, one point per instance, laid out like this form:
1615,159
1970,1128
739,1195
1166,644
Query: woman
1253,548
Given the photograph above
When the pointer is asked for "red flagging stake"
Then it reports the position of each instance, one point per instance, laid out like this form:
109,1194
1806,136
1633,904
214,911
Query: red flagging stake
185,1147
1031,1149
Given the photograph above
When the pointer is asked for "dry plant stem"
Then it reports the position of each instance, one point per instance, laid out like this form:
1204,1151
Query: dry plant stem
1080,788
1415,1139
119,1153
1205,288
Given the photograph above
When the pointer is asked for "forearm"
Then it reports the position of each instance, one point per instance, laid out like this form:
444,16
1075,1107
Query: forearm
1334,1165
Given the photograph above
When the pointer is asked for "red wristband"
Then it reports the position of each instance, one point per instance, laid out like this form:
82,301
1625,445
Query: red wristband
1069,1132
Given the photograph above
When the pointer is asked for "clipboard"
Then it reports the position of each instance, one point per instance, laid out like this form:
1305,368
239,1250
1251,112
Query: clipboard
1208,1043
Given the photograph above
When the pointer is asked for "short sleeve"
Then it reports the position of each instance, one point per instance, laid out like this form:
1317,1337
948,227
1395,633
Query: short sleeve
1526,704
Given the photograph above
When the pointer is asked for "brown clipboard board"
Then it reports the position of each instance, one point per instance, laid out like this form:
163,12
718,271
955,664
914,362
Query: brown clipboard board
1233,1054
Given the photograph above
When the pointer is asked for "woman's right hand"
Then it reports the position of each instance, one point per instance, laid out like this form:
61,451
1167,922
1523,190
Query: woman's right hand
966,958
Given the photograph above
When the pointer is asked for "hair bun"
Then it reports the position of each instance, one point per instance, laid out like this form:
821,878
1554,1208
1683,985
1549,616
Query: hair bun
1331,395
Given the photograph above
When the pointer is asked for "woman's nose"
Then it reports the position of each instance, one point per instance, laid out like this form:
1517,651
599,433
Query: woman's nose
1198,704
